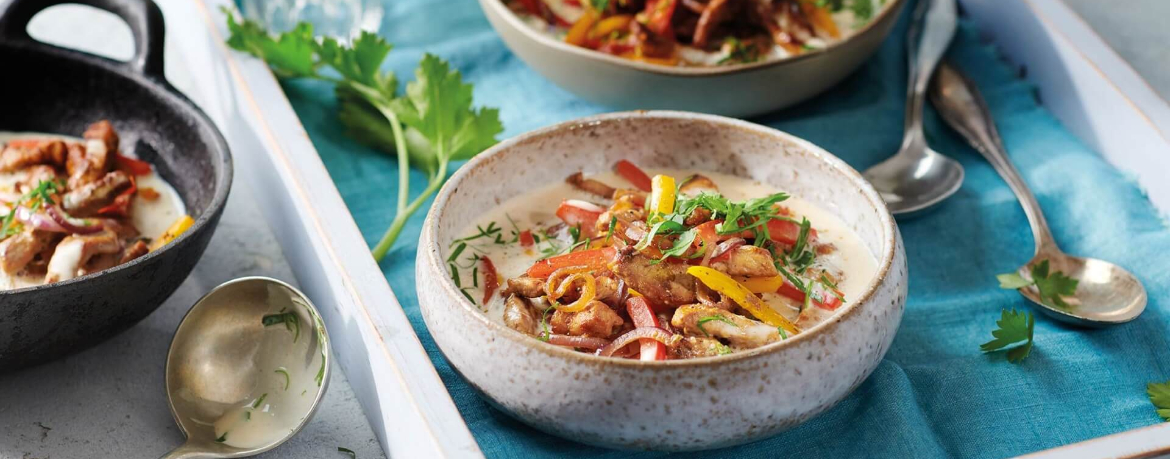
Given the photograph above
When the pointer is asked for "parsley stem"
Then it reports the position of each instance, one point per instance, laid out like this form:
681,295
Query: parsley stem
400,219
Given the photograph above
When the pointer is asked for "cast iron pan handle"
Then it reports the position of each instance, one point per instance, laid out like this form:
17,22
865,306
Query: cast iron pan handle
143,17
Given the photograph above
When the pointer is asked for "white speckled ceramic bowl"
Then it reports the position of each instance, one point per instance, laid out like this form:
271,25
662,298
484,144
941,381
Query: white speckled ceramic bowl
735,90
671,405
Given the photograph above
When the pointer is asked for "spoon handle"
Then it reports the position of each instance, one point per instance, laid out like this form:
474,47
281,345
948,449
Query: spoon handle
930,33
962,106
186,451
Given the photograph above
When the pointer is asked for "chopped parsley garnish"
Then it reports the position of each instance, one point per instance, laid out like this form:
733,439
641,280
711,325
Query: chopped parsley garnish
783,334
40,196
612,226
739,52
1053,286
260,400
222,438
1160,396
862,9
1014,327
289,319
287,380
802,255
704,320
348,451
247,415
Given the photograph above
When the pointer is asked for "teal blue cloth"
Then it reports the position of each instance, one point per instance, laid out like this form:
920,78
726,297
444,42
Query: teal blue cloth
935,394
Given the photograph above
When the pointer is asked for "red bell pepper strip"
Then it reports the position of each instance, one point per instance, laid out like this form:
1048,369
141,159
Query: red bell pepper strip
594,259
491,279
121,203
786,231
533,7
643,316
633,174
26,143
526,239
578,216
788,290
132,165
658,14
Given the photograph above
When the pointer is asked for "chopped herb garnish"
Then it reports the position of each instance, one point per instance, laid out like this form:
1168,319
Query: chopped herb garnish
1160,396
260,400
348,451
1053,286
783,334
802,255
612,225
739,52
458,250
862,9
222,438
287,380
289,319
704,320
1014,327
247,415
40,196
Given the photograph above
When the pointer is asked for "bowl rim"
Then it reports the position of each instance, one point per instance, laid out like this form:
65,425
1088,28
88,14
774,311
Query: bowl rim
222,164
430,245
515,22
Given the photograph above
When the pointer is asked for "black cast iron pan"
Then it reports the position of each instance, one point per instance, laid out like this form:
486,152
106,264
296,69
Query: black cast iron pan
45,88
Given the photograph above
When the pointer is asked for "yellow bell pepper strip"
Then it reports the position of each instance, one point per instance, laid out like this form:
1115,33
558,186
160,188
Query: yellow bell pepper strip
570,276
177,228
725,285
610,25
578,35
820,17
662,195
763,284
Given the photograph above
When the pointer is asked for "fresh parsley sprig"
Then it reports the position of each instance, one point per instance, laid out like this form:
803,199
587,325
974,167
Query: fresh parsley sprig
429,126
1052,285
1160,396
1014,327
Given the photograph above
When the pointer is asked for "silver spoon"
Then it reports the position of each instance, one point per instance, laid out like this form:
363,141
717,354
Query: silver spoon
1106,293
917,177
247,369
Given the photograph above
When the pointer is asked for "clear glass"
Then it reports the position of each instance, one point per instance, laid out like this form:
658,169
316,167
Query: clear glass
341,19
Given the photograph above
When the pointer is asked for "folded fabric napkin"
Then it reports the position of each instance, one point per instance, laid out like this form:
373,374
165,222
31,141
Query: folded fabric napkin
935,394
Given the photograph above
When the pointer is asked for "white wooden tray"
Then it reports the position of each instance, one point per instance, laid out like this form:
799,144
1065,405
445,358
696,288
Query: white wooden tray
1099,97
400,392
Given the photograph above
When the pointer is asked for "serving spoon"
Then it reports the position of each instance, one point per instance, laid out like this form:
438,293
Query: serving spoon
917,177
1106,293
247,369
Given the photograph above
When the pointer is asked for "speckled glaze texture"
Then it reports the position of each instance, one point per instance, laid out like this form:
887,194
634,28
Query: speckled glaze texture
673,405
62,91
743,90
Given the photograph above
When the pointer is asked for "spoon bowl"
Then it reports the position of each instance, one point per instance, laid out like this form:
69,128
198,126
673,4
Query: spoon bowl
1107,294
247,368
913,182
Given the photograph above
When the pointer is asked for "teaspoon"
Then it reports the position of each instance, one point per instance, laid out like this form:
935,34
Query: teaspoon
917,177
1106,293
247,369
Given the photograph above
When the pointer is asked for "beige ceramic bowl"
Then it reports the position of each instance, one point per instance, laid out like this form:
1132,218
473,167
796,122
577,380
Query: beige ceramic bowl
740,91
672,405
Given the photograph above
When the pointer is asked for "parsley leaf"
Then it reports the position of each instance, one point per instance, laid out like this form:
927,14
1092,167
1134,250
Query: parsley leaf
1053,286
432,124
1160,397
1014,327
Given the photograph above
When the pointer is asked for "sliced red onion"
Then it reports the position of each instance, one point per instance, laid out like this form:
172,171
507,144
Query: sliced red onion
584,342
585,205
727,246
654,333
38,221
74,225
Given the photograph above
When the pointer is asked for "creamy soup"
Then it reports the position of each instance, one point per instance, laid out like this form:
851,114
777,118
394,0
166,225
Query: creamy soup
113,214
699,33
777,265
